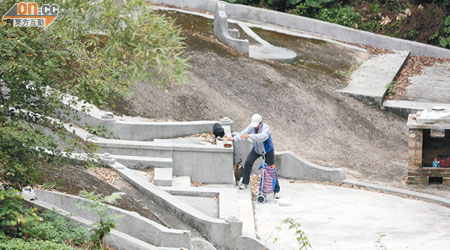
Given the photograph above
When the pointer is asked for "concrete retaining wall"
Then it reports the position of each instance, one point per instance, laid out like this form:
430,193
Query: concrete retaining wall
127,128
291,166
310,25
223,233
204,163
130,223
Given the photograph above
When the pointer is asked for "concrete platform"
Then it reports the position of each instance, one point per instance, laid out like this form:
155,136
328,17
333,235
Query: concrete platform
163,177
432,86
335,218
207,205
371,79
181,181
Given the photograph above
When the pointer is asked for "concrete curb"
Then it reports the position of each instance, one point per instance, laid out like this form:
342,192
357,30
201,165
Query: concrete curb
131,223
309,25
220,232
393,190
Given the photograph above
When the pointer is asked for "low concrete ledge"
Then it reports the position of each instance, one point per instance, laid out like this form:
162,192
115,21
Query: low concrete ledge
131,223
115,239
399,191
310,25
222,233
139,162
292,166
129,128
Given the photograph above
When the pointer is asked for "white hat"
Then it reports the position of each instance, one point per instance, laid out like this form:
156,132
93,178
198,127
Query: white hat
256,119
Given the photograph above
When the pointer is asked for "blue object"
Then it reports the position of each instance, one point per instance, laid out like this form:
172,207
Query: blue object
436,163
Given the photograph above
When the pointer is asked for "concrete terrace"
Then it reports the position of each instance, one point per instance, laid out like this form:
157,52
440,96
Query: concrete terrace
332,217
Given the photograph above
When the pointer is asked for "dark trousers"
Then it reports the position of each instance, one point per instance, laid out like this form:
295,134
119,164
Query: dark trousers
251,158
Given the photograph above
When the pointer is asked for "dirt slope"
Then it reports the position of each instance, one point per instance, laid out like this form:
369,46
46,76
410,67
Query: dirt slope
299,102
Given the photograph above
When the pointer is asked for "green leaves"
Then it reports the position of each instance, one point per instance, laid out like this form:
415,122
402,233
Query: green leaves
15,220
302,239
94,51
444,39
95,202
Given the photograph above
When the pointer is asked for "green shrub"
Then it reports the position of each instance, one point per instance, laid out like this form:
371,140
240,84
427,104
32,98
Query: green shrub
15,220
15,244
101,131
106,222
344,16
59,229
444,38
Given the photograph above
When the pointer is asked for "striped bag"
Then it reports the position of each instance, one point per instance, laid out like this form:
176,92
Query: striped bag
270,179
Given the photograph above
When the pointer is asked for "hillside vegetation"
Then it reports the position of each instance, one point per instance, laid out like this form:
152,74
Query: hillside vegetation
421,21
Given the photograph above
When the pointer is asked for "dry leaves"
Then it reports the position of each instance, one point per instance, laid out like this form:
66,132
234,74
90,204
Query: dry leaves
413,66
151,174
207,137
254,185
106,174
196,184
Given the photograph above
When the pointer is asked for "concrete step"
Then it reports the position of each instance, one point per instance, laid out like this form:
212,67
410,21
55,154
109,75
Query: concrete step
142,162
181,181
163,177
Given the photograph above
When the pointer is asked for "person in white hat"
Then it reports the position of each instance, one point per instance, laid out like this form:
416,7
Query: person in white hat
259,133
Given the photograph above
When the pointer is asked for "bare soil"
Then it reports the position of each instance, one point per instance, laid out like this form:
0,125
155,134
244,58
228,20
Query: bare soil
74,177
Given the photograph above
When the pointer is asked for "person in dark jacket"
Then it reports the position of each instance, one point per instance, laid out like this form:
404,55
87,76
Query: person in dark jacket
259,133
